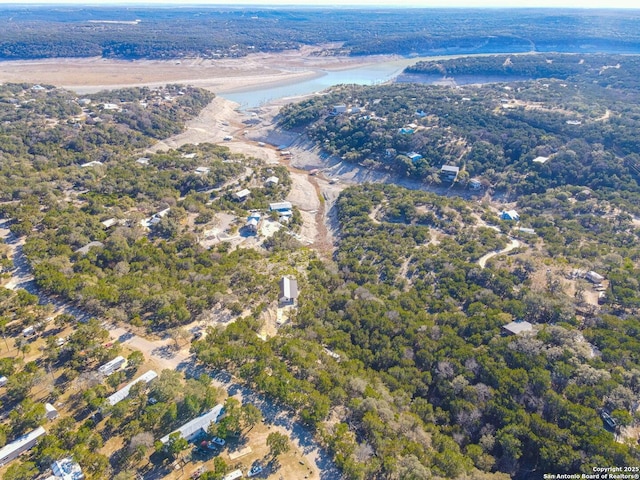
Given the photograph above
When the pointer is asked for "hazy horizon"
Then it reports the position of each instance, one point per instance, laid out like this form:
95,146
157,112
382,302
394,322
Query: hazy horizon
546,4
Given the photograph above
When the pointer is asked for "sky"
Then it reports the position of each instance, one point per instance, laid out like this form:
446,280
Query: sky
405,3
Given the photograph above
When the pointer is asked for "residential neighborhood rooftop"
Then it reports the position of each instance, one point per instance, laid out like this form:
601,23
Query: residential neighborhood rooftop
124,391
192,428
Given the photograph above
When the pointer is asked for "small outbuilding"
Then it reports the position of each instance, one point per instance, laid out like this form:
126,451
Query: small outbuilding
594,277
517,327
242,195
50,411
253,222
509,215
475,184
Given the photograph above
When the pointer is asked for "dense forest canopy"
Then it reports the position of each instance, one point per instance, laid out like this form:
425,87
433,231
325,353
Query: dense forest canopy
403,338
138,32
397,355
579,129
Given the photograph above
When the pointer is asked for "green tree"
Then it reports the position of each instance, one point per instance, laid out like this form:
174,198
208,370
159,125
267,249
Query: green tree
21,471
250,415
278,444
176,445
135,359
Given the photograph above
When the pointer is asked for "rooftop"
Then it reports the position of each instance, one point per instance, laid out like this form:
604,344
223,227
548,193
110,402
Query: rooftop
124,391
67,469
450,169
288,288
200,423
517,328
541,159
280,206
19,443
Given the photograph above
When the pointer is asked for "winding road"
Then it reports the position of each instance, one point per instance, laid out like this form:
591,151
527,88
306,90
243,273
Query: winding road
513,244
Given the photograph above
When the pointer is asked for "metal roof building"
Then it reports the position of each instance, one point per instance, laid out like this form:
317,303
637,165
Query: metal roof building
516,328
124,391
288,289
66,469
111,366
280,206
21,444
198,426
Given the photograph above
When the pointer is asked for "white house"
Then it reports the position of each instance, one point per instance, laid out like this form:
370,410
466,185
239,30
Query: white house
3,381
280,207
155,218
253,222
124,391
271,181
242,195
288,290
541,160
66,469
202,170
21,444
198,426
338,109
112,366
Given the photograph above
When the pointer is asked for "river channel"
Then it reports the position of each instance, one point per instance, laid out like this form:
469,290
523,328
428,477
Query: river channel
370,74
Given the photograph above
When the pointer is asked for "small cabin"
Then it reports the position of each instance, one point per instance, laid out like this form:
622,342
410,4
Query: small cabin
509,215
449,172
112,366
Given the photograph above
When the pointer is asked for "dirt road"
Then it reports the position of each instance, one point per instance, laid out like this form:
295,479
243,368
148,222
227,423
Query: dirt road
513,244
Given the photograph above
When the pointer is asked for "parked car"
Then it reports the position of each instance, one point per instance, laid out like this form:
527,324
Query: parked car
218,441
255,470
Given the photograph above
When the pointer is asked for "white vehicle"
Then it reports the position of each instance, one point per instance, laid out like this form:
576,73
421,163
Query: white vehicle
255,470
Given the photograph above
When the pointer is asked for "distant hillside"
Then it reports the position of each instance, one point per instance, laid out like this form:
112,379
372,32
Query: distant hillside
580,126
48,32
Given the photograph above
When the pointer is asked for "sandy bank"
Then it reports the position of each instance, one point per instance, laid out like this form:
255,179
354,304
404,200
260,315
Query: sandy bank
87,75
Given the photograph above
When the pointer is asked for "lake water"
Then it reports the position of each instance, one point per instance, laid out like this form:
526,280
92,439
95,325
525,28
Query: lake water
364,75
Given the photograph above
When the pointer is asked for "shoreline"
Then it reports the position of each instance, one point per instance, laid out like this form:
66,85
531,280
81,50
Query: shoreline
231,75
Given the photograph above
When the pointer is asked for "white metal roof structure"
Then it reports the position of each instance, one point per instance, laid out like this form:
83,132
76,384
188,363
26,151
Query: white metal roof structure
124,391
191,429
19,445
